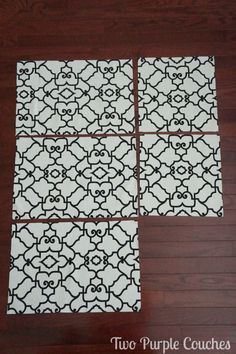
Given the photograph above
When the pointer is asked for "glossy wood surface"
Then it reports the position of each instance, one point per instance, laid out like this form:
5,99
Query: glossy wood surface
188,265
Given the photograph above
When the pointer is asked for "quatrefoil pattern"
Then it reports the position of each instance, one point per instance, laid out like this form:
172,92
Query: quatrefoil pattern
180,175
70,97
177,94
74,267
75,177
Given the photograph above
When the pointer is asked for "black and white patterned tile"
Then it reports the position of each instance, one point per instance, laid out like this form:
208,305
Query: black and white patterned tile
180,175
177,94
74,267
70,97
75,177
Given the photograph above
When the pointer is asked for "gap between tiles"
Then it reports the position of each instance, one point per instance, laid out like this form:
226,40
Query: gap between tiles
179,133
53,220
136,112
75,135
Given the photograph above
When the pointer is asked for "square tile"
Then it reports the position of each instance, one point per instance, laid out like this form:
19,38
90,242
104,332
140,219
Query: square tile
70,97
180,175
75,177
177,94
74,267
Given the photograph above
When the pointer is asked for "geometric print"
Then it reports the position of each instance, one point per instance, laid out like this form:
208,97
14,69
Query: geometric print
70,177
76,170
74,267
177,94
180,175
71,97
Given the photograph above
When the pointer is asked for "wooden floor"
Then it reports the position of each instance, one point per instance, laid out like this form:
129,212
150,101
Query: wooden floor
188,265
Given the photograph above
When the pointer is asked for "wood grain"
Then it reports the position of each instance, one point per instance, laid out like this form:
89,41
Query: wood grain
188,264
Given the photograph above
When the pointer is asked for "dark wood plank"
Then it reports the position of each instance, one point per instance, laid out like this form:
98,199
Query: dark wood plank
176,233
187,249
203,265
189,281
189,298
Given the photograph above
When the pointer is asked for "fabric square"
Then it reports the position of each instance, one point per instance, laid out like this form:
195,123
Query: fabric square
70,97
75,177
177,94
74,267
180,175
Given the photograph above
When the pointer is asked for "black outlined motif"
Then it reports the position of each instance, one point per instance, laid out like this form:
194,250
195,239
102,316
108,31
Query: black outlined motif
177,94
75,177
70,97
74,267
181,175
